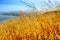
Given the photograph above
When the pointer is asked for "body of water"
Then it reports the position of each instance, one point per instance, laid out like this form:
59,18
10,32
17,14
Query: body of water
6,17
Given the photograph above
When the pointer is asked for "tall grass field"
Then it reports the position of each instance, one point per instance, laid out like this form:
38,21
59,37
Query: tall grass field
36,26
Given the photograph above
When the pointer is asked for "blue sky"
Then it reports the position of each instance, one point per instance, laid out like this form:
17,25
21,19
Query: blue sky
16,5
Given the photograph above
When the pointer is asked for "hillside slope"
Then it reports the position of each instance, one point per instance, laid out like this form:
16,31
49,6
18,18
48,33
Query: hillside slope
32,27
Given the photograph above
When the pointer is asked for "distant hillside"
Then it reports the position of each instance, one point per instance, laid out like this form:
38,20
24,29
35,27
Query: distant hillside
15,13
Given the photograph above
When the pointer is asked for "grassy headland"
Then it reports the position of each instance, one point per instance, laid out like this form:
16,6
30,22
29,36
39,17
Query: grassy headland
38,26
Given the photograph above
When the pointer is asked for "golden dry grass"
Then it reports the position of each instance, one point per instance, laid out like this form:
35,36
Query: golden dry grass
32,27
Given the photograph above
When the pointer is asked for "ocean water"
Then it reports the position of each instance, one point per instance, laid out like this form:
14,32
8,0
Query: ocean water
6,17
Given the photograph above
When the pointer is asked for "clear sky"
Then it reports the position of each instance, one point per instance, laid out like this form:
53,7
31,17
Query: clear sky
16,5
